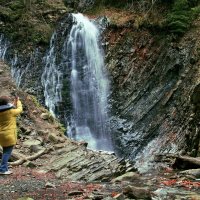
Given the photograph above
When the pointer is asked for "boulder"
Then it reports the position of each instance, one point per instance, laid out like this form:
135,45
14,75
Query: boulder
129,176
137,192
30,142
54,138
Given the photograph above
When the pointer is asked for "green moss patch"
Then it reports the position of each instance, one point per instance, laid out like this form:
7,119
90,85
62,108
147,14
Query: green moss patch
29,22
182,14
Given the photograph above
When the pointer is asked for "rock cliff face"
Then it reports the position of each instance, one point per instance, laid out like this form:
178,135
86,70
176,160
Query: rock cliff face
153,80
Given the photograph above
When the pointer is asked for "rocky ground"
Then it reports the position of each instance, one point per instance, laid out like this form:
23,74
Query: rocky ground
47,165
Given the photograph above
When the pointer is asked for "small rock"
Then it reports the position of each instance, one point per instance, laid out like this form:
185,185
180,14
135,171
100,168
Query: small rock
29,164
25,130
132,50
119,197
137,192
41,139
74,193
83,143
193,60
130,169
53,137
35,112
35,148
1,71
34,133
42,132
182,152
49,185
17,146
25,198
44,116
42,171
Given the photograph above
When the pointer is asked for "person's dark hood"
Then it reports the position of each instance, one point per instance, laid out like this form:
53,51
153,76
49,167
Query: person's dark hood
6,107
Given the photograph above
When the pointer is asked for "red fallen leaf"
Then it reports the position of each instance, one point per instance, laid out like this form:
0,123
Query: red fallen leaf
169,182
190,184
113,194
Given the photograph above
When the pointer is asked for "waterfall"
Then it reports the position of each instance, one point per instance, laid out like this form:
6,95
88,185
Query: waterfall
52,78
75,59
16,73
3,47
89,85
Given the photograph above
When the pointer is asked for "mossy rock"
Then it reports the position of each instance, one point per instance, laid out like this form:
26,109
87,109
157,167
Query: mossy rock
42,33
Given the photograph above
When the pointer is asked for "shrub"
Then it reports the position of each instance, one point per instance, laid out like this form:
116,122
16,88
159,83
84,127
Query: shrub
181,16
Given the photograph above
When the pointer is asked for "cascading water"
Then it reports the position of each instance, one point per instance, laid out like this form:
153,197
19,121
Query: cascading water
52,79
15,72
75,61
3,47
89,85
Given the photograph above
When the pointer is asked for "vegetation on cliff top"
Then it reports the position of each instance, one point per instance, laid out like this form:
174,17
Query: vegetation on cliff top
173,17
29,21
183,12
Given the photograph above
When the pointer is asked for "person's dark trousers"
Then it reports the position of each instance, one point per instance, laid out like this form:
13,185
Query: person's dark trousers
5,157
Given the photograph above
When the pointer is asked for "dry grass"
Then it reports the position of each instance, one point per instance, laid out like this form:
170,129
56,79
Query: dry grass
117,16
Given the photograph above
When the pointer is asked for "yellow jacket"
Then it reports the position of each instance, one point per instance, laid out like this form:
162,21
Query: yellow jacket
8,128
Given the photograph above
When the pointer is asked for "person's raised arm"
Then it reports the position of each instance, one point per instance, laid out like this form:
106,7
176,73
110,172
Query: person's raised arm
18,109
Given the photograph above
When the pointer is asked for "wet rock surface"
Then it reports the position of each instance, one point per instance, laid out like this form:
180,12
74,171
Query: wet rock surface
152,82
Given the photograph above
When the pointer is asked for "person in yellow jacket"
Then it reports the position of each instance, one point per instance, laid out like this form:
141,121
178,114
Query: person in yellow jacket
8,129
